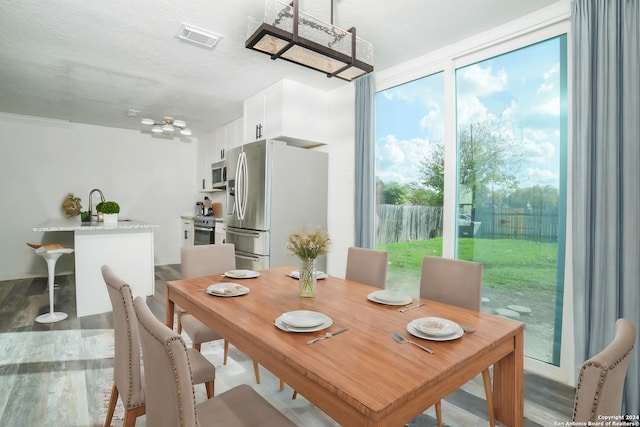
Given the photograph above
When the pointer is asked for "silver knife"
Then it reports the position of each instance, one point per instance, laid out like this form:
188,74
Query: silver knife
402,310
327,335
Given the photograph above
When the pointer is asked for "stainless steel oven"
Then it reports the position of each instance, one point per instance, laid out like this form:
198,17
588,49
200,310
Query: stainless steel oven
204,230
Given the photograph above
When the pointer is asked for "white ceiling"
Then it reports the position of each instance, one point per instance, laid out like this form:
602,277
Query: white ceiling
91,61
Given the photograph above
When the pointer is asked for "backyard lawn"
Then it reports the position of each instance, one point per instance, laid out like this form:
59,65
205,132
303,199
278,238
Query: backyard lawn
515,272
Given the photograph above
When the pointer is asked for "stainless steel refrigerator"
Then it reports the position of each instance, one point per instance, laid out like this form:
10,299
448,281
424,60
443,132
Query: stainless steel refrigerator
273,190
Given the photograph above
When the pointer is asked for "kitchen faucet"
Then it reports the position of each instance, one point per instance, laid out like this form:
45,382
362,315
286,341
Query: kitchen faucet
91,202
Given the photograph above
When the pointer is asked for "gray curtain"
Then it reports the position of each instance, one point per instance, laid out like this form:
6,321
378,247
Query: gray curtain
606,177
365,163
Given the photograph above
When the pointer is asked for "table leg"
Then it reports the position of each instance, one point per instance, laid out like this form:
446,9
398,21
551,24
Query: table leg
508,386
169,310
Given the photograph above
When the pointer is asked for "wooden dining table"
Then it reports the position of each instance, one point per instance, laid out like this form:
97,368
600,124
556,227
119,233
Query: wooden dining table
361,377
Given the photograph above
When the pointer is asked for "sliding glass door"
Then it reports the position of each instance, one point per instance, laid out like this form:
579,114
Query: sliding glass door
409,211
511,145
510,181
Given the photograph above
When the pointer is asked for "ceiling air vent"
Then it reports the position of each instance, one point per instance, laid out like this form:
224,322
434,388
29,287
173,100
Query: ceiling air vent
198,36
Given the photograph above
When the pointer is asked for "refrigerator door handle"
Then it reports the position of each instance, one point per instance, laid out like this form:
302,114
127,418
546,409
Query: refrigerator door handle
249,258
244,233
238,193
245,184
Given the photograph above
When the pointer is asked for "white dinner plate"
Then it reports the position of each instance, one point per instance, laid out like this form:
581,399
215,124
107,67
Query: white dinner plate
282,325
227,289
389,296
373,297
241,274
319,274
436,326
303,318
416,333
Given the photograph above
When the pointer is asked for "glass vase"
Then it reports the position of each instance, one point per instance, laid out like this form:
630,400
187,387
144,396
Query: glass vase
308,278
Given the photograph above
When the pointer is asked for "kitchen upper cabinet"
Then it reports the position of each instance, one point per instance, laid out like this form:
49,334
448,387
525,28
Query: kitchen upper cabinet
253,113
235,134
219,145
288,111
206,147
213,148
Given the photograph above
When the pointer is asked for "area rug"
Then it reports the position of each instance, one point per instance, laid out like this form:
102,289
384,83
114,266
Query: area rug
118,415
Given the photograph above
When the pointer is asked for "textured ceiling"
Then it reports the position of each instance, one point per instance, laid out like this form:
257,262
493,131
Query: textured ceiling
91,61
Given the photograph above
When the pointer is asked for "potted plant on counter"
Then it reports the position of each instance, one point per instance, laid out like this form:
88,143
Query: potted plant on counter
110,211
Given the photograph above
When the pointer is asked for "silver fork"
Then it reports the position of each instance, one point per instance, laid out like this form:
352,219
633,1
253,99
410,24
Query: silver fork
402,340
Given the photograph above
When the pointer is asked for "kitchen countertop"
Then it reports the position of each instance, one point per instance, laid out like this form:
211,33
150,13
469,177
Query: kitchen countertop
74,224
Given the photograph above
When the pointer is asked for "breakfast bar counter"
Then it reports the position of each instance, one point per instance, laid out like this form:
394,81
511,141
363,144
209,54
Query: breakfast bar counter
127,247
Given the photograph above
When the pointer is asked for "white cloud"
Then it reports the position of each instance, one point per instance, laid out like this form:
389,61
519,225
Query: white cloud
538,152
482,81
399,160
549,80
550,108
543,176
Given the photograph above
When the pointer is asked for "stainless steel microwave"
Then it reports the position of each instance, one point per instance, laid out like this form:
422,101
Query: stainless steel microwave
218,175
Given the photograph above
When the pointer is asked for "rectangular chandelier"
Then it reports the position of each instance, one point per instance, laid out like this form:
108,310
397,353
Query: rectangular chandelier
297,37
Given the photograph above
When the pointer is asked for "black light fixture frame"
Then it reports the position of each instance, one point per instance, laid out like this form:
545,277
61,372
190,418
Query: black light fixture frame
295,39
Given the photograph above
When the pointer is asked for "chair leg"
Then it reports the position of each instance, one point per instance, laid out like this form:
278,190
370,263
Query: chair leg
210,389
439,412
294,395
197,347
112,406
281,385
488,391
226,352
179,321
256,370
131,415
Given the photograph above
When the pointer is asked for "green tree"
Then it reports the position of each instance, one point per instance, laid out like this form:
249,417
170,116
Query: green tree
487,160
392,193
432,172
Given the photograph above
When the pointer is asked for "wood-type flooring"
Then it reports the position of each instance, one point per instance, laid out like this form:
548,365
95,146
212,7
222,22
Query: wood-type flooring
61,374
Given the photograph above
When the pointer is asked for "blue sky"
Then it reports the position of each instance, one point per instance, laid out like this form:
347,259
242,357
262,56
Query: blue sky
517,93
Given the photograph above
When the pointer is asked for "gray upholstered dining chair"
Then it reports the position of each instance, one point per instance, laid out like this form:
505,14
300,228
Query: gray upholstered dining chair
367,266
170,397
601,379
127,373
198,261
206,260
459,283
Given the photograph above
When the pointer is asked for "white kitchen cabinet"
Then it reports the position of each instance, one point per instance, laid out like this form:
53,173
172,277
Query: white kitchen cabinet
220,144
253,113
187,231
203,179
206,155
234,134
288,111
212,148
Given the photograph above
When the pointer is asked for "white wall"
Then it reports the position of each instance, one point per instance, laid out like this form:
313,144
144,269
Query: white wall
43,160
341,150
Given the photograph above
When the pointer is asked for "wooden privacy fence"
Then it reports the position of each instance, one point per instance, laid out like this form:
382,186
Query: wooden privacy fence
502,224
400,223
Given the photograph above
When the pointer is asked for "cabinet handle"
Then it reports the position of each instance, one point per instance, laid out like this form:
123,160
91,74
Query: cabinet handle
186,235
203,184
260,136
257,131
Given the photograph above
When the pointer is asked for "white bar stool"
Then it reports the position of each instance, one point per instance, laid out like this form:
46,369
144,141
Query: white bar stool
51,256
